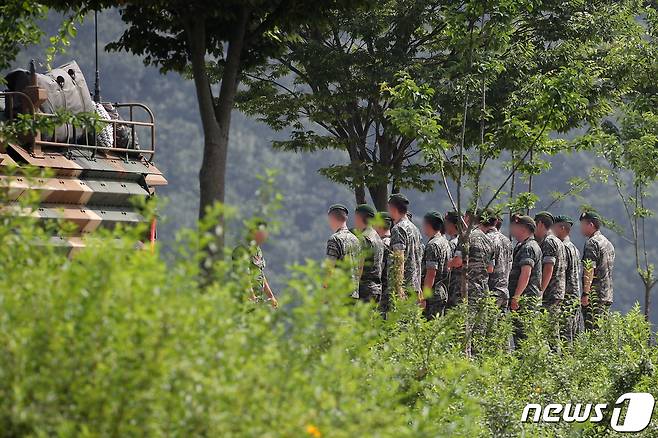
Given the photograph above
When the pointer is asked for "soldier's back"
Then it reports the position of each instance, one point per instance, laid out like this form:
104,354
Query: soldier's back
601,251
572,274
406,236
553,251
372,253
502,257
528,253
344,246
480,255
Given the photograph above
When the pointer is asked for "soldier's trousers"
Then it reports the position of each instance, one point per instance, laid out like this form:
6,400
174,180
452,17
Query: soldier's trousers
555,316
528,307
434,307
594,312
384,303
571,321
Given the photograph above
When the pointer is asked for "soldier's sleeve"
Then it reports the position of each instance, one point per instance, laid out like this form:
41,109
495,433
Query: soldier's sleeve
399,240
333,249
366,248
431,257
550,252
444,254
526,256
591,252
492,251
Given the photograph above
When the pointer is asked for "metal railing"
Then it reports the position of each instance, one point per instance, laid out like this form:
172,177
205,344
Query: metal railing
36,143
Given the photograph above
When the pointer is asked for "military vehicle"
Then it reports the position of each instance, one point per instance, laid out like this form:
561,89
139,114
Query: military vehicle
93,176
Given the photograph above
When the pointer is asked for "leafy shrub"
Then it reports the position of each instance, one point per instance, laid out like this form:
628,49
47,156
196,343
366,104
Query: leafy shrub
116,342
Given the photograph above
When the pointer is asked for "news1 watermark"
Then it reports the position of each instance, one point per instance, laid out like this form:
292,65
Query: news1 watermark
637,406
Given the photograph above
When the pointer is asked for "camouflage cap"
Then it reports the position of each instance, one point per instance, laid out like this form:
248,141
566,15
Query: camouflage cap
434,218
398,199
488,216
338,207
525,220
546,216
590,216
564,218
366,210
452,217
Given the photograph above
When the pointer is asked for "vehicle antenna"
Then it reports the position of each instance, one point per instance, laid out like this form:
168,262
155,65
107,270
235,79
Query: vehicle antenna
97,85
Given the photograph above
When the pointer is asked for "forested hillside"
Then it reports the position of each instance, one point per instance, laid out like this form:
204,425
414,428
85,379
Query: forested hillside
306,194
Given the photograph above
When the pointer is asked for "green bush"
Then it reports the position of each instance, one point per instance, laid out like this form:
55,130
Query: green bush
116,342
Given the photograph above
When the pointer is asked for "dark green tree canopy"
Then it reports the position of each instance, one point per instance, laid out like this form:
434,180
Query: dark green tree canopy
498,70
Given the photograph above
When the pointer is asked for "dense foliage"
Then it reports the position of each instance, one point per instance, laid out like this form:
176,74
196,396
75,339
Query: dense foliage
307,194
115,342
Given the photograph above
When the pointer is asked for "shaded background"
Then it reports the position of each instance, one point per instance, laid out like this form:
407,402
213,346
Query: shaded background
307,194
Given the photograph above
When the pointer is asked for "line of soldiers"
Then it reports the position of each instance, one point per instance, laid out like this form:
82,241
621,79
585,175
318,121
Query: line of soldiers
469,257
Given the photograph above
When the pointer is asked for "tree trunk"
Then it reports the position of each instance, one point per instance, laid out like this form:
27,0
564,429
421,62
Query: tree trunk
379,195
359,194
214,137
647,300
215,118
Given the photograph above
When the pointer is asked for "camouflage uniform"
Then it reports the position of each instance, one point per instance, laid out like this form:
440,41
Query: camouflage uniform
529,253
436,255
502,258
454,282
601,253
344,246
572,291
372,254
255,269
386,260
480,256
526,253
406,237
386,240
553,252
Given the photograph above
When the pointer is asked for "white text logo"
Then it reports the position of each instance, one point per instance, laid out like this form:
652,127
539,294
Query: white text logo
639,408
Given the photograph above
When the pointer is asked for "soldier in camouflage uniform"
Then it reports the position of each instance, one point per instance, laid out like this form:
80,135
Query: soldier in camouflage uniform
553,261
371,255
343,245
436,255
475,257
526,274
248,259
571,304
598,264
405,269
450,224
502,257
383,228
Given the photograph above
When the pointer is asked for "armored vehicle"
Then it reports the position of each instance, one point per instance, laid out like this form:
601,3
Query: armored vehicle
93,176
